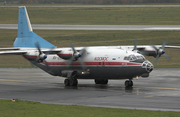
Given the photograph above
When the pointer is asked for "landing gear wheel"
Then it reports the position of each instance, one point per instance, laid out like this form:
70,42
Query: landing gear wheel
66,82
102,81
97,81
73,82
128,83
131,83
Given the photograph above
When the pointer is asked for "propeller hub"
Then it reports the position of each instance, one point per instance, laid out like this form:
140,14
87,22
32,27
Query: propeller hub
45,56
163,52
79,55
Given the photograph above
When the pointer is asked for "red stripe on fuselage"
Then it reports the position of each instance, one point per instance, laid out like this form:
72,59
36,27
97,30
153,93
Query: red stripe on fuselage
95,63
150,51
29,55
65,54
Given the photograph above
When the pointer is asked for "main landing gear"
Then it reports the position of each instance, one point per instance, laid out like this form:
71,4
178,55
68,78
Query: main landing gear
71,82
101,81
128,83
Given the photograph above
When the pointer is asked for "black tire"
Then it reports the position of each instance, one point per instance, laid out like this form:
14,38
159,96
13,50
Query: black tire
105,82
126,83
97,81
66,82
131,83
73,82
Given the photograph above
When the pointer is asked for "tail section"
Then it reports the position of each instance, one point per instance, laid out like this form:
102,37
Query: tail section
26,37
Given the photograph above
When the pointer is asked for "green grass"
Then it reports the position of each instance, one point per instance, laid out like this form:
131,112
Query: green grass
95,38
34,109
95,15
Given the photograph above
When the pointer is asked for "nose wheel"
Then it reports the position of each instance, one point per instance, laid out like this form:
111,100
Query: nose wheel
128,83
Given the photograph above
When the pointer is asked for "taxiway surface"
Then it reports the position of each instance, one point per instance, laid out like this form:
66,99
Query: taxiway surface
161,91
94,27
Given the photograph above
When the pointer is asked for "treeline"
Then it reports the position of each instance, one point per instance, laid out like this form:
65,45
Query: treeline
92,1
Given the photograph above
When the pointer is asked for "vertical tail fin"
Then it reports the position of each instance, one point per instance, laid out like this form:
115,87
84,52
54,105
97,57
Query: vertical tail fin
26,37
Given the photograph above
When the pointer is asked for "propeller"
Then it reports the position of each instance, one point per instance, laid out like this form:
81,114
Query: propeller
41,57
160,52
77,56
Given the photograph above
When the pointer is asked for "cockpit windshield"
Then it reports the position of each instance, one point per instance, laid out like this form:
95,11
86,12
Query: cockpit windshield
133,58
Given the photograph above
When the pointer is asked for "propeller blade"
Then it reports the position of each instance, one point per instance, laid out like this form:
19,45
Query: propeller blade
167,57
164,43
152,45
82,64
47,66
70,61
38,47
135,44
82,50
144,53
72,46
156,60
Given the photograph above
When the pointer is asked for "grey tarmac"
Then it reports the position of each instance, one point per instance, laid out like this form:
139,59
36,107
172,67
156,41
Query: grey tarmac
161,91
59,5
95,27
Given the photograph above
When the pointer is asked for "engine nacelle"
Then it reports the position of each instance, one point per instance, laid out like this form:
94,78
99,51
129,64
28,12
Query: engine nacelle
42,56
153,52
65,54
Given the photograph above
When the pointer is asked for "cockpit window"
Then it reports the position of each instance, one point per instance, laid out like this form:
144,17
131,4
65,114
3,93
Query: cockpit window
133,58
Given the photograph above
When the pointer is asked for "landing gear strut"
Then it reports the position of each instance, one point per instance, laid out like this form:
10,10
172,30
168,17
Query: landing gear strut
101,81
128,83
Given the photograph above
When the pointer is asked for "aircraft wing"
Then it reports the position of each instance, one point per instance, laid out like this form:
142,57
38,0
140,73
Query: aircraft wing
9,48
17,52
175,47
51,51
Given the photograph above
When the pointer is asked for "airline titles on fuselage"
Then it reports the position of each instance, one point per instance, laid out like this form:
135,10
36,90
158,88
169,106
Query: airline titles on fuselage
101,58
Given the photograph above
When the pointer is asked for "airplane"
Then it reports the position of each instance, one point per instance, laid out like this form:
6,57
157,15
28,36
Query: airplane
101,63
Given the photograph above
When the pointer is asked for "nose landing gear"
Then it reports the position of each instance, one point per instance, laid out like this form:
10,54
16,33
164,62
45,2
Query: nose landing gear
128,83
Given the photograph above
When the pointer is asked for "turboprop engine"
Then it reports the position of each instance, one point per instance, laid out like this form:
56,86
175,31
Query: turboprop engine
65,54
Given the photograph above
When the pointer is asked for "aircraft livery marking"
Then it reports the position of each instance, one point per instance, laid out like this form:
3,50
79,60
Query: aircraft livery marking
101,58
96,63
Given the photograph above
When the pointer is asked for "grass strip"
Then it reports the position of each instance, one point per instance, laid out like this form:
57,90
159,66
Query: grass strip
21,108
95,15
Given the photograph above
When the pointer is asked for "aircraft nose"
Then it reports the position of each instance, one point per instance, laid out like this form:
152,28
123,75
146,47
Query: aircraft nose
148,66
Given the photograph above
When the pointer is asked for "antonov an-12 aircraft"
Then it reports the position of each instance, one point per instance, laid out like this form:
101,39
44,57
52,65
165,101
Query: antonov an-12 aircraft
101,63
